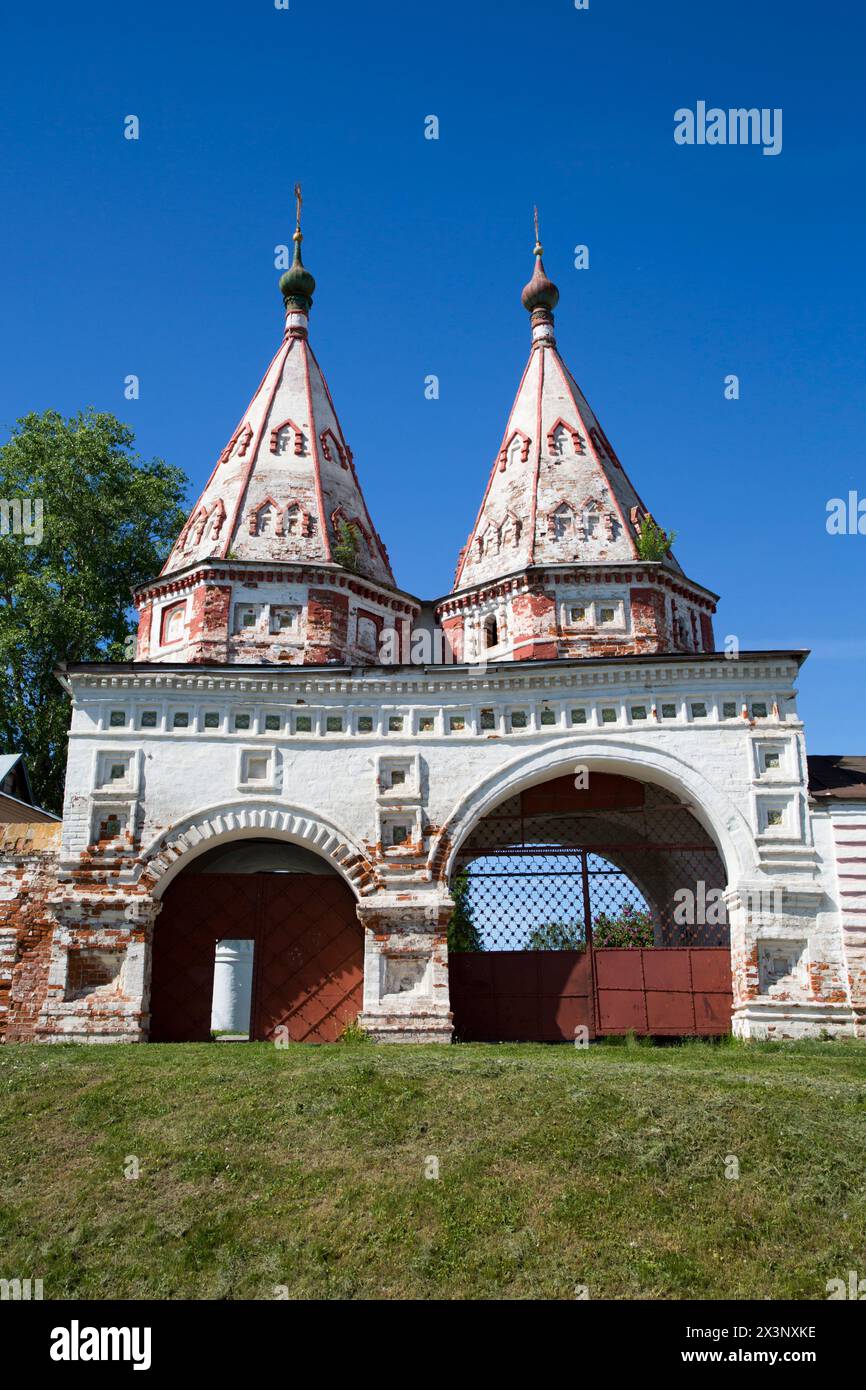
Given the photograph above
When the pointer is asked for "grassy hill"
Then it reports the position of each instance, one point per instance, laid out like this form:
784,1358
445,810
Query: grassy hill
305,1168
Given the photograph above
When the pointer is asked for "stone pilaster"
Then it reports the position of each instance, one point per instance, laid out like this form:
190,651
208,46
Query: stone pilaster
787,965
406,965
99,968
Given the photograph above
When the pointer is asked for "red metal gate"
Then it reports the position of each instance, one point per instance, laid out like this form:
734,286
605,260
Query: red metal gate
516,996
308,963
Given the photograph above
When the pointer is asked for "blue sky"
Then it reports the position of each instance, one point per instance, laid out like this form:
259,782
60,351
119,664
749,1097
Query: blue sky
156,257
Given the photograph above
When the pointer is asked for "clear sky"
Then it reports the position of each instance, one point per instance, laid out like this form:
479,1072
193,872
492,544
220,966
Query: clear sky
156,257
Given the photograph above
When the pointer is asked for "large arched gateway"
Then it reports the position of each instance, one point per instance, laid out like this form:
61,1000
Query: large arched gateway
299,949
590,903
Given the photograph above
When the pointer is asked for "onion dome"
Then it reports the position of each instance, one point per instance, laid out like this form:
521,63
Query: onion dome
297,284
540,293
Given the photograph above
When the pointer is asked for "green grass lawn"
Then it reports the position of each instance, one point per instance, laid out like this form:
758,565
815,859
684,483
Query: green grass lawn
305,1167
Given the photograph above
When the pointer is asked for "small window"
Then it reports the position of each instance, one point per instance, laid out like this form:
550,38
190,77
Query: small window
109,829
173,618
699,710
759,710
578,716
148,719
607,615
608,716
365,724
771,760
638,711
211,719
334,724
246,616
303,723
729,709
272,722
368,634
398,777
285,619
117,719
491,633
395,723
118,771
548,716
180,720
242,721
399,834
488,720
518,719
457,722
774,817
426,724
669,711
577,613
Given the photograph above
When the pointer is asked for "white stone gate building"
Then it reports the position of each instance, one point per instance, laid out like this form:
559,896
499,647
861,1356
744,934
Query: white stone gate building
301,752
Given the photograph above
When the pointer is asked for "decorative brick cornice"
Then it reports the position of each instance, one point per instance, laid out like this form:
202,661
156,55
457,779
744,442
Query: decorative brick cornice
585,674
649,573
214,571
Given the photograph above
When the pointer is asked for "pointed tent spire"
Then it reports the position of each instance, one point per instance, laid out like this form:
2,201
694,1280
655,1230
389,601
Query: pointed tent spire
285,488
557,492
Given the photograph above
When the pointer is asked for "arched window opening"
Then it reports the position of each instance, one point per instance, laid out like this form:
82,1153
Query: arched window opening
266,520
284,440
563,522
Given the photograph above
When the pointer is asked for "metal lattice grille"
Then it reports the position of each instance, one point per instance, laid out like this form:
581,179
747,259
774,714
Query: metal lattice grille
646,875
519,902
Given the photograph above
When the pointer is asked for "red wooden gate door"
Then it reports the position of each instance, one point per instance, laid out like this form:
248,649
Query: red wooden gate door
308,965
309,979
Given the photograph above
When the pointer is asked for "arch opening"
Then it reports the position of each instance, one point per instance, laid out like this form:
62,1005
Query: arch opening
261,929
595,901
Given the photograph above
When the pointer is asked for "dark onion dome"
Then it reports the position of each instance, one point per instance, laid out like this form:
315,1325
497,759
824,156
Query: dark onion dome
296,283
540,293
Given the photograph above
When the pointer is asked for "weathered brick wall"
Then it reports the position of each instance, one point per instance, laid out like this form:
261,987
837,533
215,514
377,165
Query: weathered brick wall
145,618
327,625
534,626
209,622
28,878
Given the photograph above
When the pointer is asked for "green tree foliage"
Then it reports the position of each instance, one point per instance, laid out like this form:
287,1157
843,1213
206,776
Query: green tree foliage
108,521
346,550
463,935
557,936
631,928
652,542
